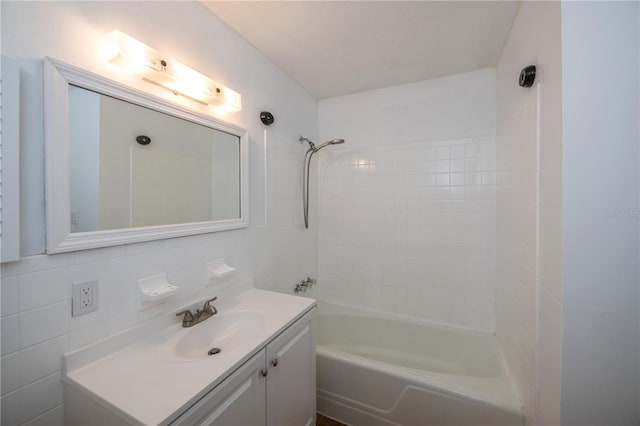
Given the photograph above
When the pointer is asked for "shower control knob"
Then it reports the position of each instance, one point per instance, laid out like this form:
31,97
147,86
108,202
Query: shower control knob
274,362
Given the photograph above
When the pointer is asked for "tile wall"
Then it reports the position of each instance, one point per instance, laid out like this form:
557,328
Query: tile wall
516,243
410,228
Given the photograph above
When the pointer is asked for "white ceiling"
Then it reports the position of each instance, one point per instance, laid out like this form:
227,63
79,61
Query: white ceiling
333,48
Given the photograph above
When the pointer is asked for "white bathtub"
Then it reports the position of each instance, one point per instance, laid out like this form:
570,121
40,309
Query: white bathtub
377,369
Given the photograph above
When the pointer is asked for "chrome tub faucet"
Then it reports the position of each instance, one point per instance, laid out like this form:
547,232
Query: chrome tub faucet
304,285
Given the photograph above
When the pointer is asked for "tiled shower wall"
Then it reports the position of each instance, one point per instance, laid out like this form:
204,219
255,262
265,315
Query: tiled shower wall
410,228
516,241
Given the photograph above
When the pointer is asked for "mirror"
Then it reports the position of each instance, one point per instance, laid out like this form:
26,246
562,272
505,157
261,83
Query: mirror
132,166
123,166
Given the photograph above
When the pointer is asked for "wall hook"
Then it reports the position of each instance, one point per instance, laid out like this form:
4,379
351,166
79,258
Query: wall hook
267,118
143,140
527,76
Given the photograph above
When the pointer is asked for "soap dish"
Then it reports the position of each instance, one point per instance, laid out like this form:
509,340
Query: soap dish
156,287
219,269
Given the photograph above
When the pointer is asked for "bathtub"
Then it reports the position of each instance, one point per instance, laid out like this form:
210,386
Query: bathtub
378,369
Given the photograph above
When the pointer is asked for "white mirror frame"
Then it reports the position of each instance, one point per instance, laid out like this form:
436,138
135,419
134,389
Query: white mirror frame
57,78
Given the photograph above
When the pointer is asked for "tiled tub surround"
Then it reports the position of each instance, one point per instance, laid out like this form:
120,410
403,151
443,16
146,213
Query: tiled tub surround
410,228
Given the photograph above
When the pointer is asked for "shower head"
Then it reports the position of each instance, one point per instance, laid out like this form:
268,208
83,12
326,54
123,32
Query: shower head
331,142
315,148
305,173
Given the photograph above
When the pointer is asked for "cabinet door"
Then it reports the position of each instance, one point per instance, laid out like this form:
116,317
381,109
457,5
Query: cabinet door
291,384
238,401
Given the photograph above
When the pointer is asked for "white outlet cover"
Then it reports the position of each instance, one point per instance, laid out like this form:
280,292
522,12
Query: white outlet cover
84,297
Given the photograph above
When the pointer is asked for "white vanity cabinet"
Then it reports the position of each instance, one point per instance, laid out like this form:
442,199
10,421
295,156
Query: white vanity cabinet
291,383
239,401
276,387
263,375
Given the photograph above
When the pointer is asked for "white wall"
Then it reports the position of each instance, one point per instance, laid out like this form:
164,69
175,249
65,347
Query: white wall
275,250
454,107
600,223
407,204
529,208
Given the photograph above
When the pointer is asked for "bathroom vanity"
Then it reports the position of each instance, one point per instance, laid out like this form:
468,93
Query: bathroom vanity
263,373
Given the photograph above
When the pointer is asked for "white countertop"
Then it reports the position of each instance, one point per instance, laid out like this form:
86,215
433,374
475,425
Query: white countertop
145,383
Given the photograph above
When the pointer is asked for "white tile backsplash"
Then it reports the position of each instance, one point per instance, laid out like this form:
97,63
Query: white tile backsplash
41,360
9,293
88,256
36,263
9,334
43,288
53,417
10,373
40,396
89,334
410,229
151,263
38,325
10,409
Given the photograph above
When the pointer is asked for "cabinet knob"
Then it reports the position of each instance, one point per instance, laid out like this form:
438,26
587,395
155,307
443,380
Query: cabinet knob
274,362
264,372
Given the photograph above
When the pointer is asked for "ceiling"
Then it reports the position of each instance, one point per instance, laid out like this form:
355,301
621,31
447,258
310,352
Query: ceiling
334,48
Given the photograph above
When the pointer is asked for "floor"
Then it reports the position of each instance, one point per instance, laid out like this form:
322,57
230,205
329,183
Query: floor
326,421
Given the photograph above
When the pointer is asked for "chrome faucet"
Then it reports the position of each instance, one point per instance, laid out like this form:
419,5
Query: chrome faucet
304,285
207,311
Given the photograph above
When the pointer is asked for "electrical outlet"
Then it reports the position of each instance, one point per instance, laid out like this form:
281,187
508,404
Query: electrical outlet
85,297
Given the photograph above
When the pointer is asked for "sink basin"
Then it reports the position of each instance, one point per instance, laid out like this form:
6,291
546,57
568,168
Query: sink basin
220,331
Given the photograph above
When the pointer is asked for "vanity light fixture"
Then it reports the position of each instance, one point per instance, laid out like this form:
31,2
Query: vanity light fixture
138,58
